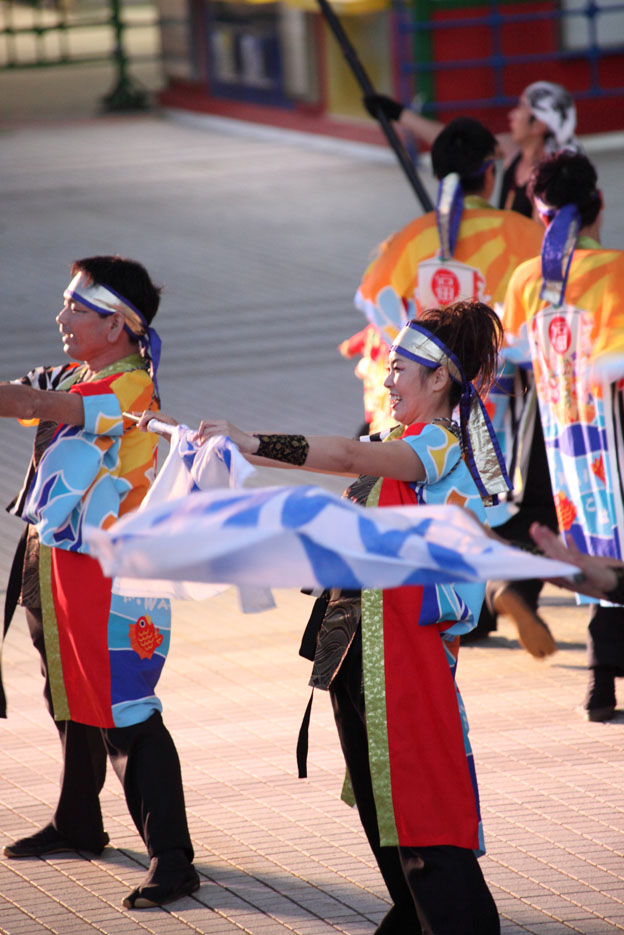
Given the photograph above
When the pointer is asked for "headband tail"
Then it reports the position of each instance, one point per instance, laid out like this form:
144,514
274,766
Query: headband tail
482,451
151,347
557,250
449,210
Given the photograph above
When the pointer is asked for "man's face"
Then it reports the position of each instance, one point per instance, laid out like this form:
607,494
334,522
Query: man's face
85,333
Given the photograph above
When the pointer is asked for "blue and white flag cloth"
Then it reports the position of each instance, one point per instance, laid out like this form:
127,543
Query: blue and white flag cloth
303,537
190,467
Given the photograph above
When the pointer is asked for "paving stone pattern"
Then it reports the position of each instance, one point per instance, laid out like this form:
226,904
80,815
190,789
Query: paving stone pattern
259,241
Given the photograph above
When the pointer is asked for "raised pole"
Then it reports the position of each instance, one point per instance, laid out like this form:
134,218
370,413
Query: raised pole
365,83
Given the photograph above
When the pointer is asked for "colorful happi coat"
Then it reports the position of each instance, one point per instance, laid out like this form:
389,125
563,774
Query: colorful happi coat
576,349
421,762
105,652
405,277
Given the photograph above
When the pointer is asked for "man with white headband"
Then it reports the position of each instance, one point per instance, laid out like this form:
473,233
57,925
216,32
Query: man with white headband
563,317
101,653
543,121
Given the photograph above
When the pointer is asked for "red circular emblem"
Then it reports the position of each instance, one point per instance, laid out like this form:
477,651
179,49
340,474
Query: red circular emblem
445,286
560,334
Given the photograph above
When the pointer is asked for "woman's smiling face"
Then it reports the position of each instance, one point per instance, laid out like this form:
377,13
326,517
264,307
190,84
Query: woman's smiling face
407,385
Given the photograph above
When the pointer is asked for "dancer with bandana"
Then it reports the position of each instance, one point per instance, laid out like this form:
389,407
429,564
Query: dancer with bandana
101,653
563,316
466,249
542,122
388,657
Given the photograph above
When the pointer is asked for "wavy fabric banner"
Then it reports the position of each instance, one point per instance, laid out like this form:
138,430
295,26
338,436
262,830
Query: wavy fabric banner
304,537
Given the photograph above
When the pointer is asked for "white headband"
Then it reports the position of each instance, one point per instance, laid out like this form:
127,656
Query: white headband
102,299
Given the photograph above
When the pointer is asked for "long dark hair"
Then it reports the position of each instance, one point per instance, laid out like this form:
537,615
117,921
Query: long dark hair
473,332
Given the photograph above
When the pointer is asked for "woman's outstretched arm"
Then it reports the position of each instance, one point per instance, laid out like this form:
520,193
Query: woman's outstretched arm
324,453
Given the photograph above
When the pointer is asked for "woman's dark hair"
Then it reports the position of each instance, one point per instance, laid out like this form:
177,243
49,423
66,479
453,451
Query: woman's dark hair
567,178
127,278
473,332
463,146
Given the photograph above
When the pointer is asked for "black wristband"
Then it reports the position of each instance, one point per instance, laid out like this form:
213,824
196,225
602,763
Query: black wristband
292,449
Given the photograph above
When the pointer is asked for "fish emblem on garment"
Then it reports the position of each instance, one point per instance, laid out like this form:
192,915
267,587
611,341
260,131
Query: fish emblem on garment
145,638
566,511
598,469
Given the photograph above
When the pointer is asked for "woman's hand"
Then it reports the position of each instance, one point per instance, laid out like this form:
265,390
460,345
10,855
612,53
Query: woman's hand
598,575
245,441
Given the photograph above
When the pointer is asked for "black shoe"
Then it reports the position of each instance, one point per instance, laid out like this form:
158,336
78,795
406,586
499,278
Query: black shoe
48,841
600,714
171,875
600,701
478,635
397,923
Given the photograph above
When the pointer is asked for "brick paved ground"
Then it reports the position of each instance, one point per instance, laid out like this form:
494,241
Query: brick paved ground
259,243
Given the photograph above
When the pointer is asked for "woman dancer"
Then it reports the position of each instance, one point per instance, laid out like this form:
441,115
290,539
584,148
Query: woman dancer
388,657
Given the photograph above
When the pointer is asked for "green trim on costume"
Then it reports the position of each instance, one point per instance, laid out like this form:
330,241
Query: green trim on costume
477,201
375,701
588,243
60,704
347,795
124,365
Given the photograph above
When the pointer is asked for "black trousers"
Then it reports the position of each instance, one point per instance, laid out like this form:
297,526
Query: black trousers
605,638
436,890
146,762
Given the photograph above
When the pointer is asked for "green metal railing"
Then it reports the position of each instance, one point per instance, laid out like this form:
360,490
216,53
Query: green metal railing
49,33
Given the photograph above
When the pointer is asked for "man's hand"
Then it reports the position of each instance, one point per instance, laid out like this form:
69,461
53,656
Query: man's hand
598,575
143,419
376,103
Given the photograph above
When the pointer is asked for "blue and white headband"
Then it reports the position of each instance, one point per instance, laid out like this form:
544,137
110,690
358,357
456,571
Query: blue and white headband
106,301
482,451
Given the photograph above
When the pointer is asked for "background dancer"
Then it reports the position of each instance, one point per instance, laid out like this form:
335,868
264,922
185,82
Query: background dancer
542,122
563,316
477,245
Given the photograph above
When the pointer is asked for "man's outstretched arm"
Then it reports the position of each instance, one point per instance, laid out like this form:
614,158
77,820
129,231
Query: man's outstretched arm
19,401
